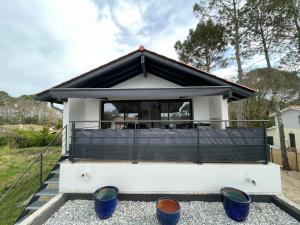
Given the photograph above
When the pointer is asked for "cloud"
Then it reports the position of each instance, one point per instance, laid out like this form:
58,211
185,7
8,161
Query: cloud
47,42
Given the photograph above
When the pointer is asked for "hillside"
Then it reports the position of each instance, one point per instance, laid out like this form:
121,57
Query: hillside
26,110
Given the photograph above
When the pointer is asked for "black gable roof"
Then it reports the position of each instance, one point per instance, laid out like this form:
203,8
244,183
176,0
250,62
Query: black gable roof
143,61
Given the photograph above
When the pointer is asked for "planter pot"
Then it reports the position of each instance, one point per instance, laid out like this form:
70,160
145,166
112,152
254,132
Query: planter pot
167,211
236,203
106,201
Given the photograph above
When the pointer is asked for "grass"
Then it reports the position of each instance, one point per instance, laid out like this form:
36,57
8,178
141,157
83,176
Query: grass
24,126
12,163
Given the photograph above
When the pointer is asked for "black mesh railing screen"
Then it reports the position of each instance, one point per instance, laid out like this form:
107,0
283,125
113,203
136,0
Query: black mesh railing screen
191,145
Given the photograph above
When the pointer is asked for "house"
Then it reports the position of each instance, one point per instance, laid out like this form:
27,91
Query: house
291,122
149,124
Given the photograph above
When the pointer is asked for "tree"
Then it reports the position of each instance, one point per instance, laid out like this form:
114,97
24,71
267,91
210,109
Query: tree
204,47
230,13
266,23
292,30
279,87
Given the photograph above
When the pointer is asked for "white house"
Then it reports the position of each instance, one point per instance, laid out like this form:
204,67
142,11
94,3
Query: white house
291,122
149,124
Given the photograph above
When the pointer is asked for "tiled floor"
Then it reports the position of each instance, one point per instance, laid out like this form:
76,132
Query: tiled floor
291,185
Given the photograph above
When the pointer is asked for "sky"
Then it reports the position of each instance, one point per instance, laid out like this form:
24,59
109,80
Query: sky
44,43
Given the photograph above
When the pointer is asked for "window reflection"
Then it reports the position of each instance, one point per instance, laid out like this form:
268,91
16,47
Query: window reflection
113,112
124,114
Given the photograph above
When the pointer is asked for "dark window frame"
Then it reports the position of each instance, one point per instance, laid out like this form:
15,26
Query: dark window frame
149,100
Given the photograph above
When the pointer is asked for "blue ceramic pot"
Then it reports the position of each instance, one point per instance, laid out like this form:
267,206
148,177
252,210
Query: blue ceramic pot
106,201
167,211
236,203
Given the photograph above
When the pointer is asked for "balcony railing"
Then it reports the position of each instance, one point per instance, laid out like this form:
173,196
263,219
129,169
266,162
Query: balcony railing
198,141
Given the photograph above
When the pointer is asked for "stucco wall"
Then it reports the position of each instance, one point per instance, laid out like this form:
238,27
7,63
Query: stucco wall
274,132
290,119
79,109
201,108
291,125
86,177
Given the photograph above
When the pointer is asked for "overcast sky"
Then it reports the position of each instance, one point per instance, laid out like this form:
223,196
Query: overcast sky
45,42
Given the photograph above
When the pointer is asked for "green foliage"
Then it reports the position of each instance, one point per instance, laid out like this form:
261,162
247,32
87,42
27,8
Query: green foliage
3,141
28,138
204,47
13,162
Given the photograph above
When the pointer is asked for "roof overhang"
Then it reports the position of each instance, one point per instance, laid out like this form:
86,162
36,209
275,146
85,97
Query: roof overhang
146,62
62,94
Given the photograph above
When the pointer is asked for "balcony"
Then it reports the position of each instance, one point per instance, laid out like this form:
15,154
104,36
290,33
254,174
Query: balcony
195,141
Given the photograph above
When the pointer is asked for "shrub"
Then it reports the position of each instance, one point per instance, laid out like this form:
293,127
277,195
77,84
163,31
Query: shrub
30,138
4,141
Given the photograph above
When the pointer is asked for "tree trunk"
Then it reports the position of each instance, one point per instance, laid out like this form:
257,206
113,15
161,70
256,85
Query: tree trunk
264,43
239,111
297,28
285,162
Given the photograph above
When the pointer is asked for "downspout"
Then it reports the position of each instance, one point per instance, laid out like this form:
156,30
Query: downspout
55,108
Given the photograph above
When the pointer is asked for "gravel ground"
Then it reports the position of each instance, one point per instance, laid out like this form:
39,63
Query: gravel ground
81,212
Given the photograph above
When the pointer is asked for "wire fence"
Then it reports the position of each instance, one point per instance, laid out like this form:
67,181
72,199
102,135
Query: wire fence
21,192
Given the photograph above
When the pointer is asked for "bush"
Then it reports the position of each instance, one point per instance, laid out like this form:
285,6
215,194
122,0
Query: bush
4,141
30,138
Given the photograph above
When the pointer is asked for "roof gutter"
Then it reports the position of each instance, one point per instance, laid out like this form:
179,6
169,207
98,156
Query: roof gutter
55,108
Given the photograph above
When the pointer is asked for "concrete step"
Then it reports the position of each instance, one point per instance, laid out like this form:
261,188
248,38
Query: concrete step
47,192
22,219
56,171
52,180
36,205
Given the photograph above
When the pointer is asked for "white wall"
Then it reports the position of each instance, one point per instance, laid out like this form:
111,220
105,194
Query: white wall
65,136
274,132
201,107
218,108
291,125
151,81
80,109
169,177
290,119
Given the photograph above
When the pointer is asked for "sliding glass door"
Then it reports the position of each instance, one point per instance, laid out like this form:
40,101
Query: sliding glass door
156,114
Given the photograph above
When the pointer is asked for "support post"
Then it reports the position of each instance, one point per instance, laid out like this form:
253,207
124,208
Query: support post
72,142
41,169
198,139
66,140
266,143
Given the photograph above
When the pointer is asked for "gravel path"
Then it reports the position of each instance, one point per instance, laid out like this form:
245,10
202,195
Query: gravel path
81,212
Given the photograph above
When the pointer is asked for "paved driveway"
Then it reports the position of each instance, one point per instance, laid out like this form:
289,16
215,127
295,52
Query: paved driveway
291,185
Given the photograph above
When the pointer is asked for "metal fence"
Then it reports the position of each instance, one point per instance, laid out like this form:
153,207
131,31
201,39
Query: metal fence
186,141
20,193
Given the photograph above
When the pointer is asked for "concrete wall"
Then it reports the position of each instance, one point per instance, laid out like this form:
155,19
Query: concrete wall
86,177
79,109
274,132
291,125
201,110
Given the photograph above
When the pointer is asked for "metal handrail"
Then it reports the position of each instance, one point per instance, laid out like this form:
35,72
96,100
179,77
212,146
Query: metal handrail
31,164
133,121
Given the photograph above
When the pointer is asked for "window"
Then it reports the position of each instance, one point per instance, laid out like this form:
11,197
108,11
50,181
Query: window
113,114
123,114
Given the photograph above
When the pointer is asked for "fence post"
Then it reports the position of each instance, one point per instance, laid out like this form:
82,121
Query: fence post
198,139
297,161
266,143
134,142
66,139
41,169
72,142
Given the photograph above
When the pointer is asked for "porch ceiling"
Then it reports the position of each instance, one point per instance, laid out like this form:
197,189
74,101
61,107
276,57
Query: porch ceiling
139,93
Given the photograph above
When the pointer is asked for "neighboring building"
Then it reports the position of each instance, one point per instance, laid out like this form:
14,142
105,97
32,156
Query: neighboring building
152,125
291,122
